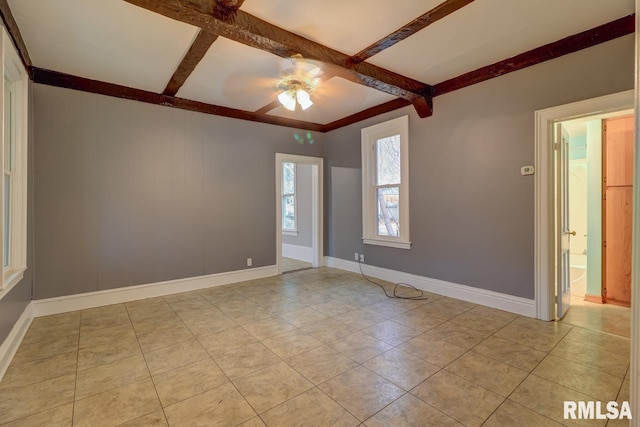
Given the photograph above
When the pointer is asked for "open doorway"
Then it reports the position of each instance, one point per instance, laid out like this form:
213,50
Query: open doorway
298,212
600,166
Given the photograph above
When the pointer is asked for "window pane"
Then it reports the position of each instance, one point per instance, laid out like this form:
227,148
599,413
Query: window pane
288,213
288,178
388,211
388,160
8,127
7,219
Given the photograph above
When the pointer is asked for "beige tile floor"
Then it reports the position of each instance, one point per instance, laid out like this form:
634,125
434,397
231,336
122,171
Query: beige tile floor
313,348
290,264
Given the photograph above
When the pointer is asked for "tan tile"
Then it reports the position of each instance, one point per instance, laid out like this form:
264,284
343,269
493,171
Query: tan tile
374,392
16,403
612,343
245,360
528,337
110,376
418,320
153,324
478,322
360,319
154,419
195,303
187,381
321,364
163,338
595,357
446,392
57,417
389,309
210,312
262,329
303,316
149,308
493,313
327,330
108,335
498,377
230,339
513,414
458,335
175,356
291,343
283,305
310,408
117,406
107,353
253,422
592,382
103,317
207,326
333,308
550,328
360,346
401,368
221,406
409,411
271,386
39,370
437,352
45,349
391,332
442,309
511,353
546,398
50,333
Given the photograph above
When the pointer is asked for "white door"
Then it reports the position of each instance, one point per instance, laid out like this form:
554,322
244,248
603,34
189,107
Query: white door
563,233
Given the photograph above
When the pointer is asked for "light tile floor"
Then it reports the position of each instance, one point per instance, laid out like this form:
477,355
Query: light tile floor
313,348
290,264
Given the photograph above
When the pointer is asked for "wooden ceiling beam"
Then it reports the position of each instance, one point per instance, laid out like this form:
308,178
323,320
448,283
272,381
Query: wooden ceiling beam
223,9
418,24
603,33
255,32
12,28
54,78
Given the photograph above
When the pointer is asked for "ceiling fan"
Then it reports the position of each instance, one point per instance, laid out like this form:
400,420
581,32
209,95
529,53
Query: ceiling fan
298,83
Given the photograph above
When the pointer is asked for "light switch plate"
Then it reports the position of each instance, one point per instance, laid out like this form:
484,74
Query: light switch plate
527,170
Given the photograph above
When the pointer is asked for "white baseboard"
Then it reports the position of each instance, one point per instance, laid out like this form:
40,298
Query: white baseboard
301,253
68,303
12,342
513,304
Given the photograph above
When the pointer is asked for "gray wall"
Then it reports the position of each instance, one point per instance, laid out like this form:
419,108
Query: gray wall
472,213
13,304
128,193
304,204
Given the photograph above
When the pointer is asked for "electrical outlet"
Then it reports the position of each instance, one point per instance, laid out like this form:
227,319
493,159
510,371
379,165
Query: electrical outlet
355,256
249,262
361,257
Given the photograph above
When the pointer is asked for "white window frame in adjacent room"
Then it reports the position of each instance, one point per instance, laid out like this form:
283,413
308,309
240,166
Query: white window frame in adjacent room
370,135
15,73
293,231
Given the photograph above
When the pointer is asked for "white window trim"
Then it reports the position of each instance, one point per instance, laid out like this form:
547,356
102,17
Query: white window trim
369,137
14,70
291,231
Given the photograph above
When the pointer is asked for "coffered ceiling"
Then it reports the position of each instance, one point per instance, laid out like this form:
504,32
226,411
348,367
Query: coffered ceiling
224,56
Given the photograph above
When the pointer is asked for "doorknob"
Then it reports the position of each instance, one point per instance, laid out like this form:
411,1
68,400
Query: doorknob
573,233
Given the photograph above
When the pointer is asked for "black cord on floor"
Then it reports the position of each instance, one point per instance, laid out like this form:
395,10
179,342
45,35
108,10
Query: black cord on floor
420,297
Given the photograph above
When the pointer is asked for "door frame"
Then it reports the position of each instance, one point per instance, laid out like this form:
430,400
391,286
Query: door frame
544,241
317,210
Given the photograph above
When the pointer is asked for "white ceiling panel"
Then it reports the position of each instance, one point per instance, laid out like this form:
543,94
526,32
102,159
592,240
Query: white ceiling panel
347,26
234,75
106,40
334,99
488,31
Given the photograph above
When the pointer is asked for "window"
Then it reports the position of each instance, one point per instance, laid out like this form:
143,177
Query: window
14,159
385,184
289,223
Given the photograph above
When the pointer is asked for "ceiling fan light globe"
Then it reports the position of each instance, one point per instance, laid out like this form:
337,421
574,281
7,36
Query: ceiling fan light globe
287,100
304,99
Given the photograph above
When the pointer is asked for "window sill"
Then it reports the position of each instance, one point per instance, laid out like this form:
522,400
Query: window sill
392,244
11,279
289,233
